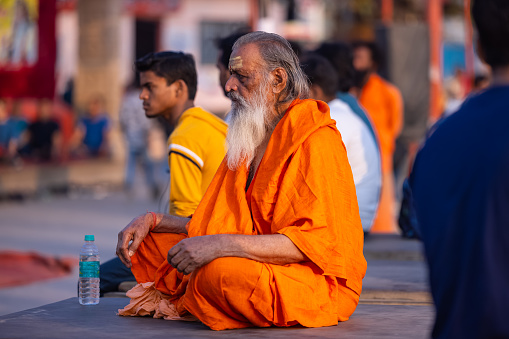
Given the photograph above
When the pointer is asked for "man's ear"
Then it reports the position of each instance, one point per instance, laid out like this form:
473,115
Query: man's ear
181,88
280,79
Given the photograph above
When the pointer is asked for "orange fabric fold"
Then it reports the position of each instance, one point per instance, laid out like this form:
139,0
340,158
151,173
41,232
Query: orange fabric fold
303,189
384,105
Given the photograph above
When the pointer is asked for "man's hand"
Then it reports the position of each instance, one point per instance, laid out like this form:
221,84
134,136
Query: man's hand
192,253
136,231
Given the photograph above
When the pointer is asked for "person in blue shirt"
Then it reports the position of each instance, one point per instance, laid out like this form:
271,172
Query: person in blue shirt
94,129
460,186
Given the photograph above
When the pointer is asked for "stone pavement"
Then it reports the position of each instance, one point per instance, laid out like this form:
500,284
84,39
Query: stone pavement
396,271
68,319
56,226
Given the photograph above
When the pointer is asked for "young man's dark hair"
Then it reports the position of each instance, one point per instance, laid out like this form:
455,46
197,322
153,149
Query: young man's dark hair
376,54
225,46
320,72
172,66
492,21
341,58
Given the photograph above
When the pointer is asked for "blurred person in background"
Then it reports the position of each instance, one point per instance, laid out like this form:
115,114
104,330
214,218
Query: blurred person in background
43,135
225,46
384,105
362,150
12,132
460,187
340,56
196,146
18,121
454,93
5,133
136,128
92,131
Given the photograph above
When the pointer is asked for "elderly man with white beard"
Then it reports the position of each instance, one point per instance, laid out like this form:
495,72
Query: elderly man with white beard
277,239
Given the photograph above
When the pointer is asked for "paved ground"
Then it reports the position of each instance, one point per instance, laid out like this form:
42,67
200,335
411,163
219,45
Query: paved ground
67,319
56,226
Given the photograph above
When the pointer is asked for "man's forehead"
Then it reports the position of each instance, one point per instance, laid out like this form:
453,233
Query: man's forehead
235,63
150,76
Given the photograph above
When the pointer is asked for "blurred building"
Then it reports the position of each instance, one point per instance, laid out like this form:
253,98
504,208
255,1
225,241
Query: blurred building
187,25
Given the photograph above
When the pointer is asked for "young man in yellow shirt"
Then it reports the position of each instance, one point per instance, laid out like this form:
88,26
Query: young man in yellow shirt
196,146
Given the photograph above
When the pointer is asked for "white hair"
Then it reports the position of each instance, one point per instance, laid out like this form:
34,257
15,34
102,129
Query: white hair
250,121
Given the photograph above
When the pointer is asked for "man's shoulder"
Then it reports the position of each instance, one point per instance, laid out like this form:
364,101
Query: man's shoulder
322,138
198,120
342,113
199,131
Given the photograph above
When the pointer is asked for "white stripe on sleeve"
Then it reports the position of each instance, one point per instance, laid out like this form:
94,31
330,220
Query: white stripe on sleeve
188,152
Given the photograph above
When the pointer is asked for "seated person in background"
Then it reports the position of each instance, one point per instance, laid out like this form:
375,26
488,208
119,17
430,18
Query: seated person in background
277,238
361,147
93,129
43,135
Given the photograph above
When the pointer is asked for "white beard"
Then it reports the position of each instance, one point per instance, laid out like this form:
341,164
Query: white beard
249,124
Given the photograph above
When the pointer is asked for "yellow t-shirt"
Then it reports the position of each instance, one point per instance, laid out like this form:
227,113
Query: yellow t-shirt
196,148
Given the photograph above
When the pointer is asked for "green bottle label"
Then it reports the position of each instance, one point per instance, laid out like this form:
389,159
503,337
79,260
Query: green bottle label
89,269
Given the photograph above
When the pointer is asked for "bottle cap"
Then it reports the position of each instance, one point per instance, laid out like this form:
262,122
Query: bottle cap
89,238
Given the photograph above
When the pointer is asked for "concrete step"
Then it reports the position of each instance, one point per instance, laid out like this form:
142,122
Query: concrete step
392,247
32,178
68,319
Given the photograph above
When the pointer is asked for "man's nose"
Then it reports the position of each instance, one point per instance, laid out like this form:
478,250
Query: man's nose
231,85
143,94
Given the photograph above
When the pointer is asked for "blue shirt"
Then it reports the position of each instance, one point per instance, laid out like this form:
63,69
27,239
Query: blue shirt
460,185
95,129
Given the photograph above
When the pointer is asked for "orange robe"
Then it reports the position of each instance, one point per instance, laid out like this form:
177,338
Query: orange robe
303,189
384,105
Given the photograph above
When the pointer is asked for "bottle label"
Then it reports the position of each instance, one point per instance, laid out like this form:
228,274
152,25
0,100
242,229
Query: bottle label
89,269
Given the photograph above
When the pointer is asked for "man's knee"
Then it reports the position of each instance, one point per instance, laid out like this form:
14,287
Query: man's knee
228,271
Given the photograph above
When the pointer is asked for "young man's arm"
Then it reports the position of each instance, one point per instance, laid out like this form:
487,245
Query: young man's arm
185,178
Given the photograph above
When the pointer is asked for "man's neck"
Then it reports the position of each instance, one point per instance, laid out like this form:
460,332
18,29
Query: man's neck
176,112
500,76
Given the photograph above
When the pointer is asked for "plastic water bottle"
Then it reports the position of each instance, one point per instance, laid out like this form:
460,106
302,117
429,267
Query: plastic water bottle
88,289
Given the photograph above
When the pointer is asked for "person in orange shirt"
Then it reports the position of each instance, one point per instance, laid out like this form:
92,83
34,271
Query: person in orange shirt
384,105
277,238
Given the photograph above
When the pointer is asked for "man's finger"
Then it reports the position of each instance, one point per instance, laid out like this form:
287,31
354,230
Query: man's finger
134,246
176,258
189,269
174,250
182,266
122,251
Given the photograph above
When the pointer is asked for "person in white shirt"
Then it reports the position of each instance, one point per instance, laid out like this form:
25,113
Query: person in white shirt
361,145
